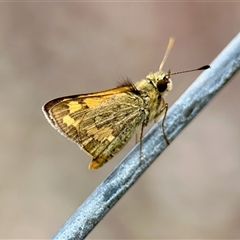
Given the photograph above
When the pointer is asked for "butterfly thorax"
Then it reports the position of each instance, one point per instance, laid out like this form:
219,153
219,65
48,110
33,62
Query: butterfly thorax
153,89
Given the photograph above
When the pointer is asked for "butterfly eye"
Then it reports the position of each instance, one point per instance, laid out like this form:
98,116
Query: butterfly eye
162,85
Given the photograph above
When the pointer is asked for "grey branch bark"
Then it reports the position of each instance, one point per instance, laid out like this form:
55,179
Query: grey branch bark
107,194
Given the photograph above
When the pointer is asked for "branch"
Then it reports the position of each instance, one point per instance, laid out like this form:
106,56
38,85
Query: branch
107,194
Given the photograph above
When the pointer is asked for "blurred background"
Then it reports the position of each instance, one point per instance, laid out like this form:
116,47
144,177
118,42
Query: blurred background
48,50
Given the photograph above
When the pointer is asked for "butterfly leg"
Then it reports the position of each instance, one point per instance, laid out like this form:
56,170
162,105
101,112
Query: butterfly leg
163,110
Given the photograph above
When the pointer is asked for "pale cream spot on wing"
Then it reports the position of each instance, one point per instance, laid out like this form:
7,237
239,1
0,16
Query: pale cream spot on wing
68,120
74,106
110,138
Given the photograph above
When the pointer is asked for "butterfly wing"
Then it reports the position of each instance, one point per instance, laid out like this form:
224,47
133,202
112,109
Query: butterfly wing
100,123
65,113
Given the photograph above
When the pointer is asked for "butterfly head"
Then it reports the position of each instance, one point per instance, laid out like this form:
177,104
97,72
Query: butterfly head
164,83
161,81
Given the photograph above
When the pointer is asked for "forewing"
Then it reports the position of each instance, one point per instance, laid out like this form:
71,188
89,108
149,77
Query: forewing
100,123
65,113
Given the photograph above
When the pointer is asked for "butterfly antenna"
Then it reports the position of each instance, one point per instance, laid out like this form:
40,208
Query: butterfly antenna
169,47
192,70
